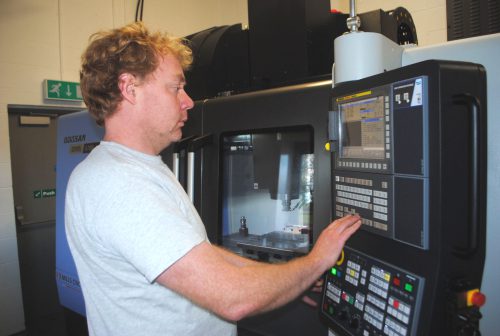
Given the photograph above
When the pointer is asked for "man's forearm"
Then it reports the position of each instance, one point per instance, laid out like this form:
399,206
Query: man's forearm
233,258
235,287
289,281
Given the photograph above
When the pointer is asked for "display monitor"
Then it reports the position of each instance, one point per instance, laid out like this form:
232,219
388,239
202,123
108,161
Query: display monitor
363,129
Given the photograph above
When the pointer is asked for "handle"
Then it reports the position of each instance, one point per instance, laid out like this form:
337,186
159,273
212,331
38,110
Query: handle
175,165
474,107
178,147
193,146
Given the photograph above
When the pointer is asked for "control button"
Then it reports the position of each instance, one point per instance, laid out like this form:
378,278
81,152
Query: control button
409,287
475,298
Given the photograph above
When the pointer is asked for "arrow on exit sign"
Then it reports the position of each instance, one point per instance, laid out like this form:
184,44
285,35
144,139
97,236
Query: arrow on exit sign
61,90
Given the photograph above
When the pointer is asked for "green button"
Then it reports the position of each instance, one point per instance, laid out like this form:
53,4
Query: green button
409,287
334,271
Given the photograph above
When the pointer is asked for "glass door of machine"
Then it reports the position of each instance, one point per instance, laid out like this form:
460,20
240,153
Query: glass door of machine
267,192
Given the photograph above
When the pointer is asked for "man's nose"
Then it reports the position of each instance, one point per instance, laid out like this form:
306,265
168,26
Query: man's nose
187,102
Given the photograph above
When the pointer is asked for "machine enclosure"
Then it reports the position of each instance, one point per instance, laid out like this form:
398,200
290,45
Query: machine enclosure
77,135
308,105
435,177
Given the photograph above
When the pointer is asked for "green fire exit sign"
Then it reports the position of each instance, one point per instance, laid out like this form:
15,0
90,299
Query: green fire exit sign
61,90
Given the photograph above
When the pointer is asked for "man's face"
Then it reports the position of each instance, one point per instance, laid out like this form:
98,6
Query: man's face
164,103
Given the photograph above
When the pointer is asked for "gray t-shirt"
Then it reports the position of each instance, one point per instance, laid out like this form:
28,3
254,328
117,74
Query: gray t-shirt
128,220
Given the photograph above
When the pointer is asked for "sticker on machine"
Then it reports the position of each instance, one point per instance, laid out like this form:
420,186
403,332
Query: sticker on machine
416,99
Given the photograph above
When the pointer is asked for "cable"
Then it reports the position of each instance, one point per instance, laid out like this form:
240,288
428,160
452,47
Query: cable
138,14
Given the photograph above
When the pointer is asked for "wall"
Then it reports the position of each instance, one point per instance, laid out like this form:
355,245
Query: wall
44,40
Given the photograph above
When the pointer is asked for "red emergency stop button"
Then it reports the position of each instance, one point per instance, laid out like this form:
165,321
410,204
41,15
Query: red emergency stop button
478,299
475,298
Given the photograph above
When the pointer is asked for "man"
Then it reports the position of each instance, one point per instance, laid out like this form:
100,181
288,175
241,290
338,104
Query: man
144,261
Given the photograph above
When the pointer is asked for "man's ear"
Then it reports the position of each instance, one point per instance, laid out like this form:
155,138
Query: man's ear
126,84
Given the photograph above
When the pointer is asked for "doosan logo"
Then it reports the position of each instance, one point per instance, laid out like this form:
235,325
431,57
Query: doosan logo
74,138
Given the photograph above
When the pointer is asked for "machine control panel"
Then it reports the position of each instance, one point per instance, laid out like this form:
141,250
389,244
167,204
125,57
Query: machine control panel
369,297
381,159
408,155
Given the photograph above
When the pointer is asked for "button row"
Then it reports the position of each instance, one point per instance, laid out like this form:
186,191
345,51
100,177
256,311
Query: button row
362,191
401,306
380,216
360,297
359,305
333,293
355,196
380,226
379,201
403,318
380,208
333,296
399,310
360,301
351,280
373,316
379,282
376,301
353,273
392,328
366,221
365,165
354,180
377,290
386,276
347,298
354,265
382,194
357,204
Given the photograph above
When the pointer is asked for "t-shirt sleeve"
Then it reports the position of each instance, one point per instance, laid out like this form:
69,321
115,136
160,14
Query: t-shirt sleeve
147,225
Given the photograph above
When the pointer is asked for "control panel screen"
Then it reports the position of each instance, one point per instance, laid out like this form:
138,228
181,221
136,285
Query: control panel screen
363,122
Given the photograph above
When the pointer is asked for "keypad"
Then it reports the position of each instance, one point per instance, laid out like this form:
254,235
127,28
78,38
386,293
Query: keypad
382,297
354,195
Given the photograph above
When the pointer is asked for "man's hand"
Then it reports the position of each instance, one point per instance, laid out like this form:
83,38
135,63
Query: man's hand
331,241
328,248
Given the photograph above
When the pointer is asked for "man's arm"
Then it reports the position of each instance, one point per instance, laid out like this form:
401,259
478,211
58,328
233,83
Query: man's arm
234,290
233,258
